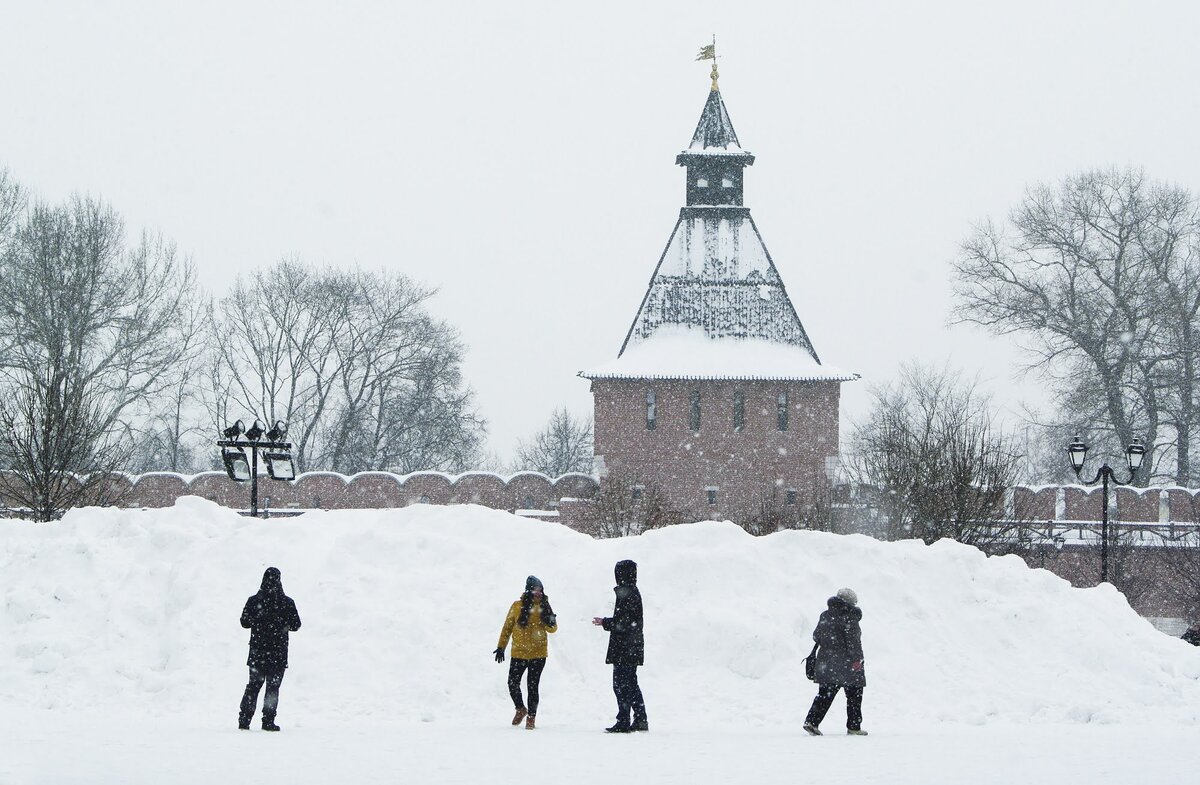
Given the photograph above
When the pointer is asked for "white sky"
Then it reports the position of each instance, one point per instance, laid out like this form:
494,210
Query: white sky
521,156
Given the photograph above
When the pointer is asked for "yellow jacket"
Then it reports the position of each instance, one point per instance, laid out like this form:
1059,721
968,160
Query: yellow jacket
528,642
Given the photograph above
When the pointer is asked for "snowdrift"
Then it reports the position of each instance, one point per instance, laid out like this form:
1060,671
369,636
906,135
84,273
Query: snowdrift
137,611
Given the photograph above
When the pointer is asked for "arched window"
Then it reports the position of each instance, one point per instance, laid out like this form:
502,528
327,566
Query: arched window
739,411
783,411
701,182
726,182
694,415
651,415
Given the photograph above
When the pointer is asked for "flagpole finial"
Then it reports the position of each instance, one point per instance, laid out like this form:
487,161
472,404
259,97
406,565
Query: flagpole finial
709,52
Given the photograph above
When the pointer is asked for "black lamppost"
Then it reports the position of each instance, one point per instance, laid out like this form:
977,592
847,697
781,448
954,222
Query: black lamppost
1133,454
1043,549
275,451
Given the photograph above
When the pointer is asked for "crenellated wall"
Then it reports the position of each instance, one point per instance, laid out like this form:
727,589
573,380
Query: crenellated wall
1082,503
367,490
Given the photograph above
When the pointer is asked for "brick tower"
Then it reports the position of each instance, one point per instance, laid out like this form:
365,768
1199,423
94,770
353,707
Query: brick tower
717,395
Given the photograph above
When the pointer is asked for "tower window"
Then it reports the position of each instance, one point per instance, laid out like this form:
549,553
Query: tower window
651,415
694,416
783,411
726,182
739,411
637,491
711,492
701,182
791,497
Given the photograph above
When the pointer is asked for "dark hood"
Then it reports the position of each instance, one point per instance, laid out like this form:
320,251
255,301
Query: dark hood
272,582
842,608
626,572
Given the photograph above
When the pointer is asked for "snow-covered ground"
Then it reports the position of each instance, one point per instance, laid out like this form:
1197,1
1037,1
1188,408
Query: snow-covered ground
121,657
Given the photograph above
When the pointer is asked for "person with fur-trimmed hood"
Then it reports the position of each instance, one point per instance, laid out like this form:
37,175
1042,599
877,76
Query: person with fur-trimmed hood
839,662
528,622
269,615
626,650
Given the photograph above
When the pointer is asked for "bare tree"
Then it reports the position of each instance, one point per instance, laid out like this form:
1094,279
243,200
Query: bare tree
59,452
563,446
625,506
1178,559
172,439
942,467
13,200
1100,278
92,332
365,377
72,296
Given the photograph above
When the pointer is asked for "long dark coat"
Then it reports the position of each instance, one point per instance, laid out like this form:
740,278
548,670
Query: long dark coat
270,615
626,644
839,640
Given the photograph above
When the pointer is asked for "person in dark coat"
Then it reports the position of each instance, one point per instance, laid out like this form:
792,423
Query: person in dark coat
1192,635
626,650
269,615
839,662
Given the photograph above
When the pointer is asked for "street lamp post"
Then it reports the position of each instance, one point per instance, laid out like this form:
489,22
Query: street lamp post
1134,453
276,451
1043,549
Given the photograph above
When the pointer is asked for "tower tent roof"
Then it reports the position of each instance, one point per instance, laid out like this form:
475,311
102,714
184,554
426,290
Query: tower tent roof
716,307
714,132
717,275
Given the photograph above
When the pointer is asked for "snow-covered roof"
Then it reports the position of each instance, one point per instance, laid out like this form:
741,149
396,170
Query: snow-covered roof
716,274
678,352
714,133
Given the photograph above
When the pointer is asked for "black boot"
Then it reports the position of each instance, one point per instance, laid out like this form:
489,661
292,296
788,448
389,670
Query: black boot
269,724
642,725
620,727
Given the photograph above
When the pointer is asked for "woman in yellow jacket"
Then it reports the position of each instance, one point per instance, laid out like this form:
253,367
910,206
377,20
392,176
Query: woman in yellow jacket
529,620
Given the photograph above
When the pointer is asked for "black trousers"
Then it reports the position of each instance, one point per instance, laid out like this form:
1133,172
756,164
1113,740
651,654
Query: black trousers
824,699
272,678
629,694
516,668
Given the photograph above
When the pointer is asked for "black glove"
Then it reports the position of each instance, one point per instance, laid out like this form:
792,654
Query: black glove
499,655
549,620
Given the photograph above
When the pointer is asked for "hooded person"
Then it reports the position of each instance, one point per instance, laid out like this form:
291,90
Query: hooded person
626,649
530,619
269,615
839,662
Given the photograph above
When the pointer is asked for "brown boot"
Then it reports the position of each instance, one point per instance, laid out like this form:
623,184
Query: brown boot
520,715
529,722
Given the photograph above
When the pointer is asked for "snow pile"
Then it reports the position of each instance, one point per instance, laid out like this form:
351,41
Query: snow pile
137,611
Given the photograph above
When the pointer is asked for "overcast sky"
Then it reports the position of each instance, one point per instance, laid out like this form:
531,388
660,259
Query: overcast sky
520,156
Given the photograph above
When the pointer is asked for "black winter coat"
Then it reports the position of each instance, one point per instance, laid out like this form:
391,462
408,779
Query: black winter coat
1192,635
626,644
270,615
839,640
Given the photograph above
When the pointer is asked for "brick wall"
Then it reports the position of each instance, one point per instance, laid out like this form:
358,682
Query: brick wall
331,491
742,465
